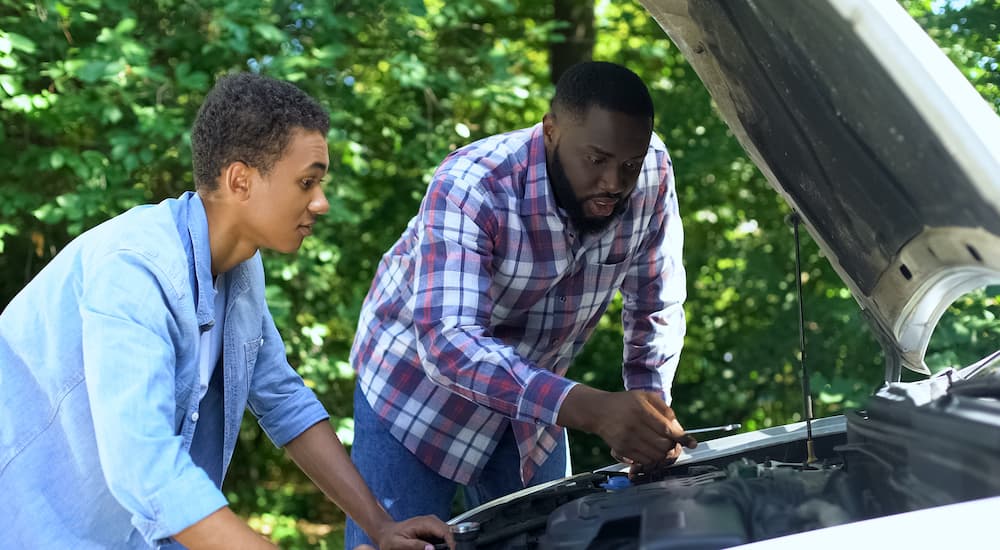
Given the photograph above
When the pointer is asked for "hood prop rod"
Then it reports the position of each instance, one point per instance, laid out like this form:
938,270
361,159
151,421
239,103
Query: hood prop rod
794,219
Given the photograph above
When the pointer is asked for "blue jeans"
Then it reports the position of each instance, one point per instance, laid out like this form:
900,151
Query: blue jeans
406,487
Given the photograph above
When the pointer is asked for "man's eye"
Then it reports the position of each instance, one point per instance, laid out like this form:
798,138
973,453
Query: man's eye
307,183
596,160
632,166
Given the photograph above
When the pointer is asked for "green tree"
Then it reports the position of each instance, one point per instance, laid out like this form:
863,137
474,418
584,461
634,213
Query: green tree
96,101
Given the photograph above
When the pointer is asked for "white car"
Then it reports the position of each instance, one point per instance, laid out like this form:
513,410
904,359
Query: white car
891,160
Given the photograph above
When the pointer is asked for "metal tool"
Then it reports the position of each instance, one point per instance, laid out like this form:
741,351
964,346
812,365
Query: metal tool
723,428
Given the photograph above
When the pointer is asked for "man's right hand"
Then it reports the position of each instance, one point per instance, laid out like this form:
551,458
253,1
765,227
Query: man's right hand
636,424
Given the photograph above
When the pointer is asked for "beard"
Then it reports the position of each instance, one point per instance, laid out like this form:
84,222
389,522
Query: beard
567,200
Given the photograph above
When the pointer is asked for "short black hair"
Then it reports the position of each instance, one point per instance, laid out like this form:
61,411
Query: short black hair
607,85
250,118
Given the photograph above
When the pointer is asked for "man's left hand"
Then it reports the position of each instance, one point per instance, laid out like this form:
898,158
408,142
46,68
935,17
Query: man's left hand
413,534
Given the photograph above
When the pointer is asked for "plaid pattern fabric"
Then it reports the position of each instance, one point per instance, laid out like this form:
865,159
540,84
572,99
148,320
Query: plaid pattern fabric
476,312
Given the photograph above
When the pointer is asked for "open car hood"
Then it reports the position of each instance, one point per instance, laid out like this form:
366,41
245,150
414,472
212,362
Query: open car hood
871,134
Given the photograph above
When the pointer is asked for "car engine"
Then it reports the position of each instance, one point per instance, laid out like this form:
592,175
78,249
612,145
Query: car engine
915,446
704,507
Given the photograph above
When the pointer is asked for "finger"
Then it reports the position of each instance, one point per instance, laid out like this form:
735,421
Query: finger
403,543
429,526
623,459
661,419
652,468
645,444
640,449
674,454
688,441
418,529
652,426
665,411
675,429
661,461
651,451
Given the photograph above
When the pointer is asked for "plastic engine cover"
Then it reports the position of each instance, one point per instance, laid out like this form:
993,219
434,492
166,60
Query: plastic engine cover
644,518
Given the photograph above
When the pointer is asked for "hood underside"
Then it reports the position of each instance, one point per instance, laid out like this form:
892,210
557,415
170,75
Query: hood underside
871,134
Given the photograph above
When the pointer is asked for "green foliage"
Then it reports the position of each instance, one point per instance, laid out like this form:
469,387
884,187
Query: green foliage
969,32
97,99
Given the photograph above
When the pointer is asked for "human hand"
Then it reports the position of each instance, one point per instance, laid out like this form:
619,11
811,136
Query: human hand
642,428
686,440
636,424
413,534
636,469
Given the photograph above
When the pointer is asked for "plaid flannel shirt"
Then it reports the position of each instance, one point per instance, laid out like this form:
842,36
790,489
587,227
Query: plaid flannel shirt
476,312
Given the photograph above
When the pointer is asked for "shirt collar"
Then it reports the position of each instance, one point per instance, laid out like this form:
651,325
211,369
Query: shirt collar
197,227
538,196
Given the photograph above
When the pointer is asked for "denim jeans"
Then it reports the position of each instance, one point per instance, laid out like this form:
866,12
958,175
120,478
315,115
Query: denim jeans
406,487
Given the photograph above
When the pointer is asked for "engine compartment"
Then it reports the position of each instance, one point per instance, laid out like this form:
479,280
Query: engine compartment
902,453
707,507
692,507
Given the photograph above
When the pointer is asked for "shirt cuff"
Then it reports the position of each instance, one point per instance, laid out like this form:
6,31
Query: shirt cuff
189,499
296,414
542,396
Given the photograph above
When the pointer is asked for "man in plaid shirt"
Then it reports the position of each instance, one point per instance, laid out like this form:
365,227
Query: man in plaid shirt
477,311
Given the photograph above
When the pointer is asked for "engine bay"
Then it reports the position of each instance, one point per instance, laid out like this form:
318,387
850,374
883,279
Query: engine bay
910,449
700,506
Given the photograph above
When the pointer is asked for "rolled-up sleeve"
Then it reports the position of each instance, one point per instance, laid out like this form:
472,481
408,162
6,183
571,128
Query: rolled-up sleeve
280,400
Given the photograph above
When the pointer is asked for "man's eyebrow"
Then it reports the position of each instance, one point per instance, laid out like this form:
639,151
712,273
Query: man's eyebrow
600,151
316,166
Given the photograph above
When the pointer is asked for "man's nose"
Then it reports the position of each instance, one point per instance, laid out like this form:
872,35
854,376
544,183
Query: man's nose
319,205
612,181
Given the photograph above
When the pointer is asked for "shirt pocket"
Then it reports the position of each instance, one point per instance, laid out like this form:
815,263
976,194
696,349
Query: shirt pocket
614,250
251,349
600,280
616,258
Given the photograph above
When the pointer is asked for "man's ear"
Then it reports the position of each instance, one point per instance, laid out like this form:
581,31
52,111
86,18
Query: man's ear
549,130
237,179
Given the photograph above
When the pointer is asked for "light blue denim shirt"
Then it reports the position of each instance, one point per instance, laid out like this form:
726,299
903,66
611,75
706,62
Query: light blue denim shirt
99,385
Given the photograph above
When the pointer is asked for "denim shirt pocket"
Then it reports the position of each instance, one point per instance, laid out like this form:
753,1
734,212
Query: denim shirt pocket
251,349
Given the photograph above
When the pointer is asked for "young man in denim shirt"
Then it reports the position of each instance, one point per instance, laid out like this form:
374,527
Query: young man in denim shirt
127,363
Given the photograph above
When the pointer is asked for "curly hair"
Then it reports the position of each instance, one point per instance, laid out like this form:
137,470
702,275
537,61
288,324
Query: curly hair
606,85
249,118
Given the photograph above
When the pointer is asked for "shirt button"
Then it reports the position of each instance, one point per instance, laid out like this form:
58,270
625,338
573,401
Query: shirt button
562,298
194,416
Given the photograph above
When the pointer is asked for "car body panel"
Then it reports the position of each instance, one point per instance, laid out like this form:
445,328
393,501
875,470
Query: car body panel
871,134
961,525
